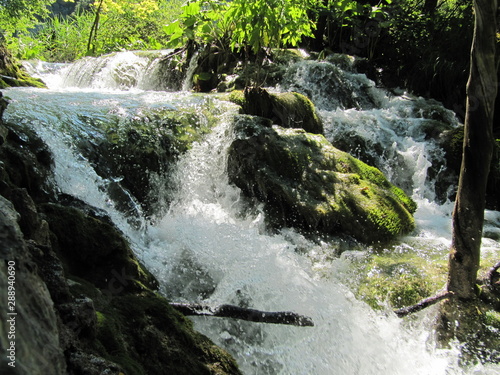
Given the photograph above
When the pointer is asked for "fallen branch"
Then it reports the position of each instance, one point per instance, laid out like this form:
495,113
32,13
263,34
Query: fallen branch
422,304
491,273
236,312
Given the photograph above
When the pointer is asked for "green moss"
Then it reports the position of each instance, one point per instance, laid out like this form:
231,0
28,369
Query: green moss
143,334
475,326
297,111
492,318
399,279
237,97
12,73
308,183
290,110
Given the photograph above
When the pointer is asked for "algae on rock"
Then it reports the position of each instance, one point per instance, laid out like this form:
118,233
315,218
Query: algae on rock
290,109
12,73
307,183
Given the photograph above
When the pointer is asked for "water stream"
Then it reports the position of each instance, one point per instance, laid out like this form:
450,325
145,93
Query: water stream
212,244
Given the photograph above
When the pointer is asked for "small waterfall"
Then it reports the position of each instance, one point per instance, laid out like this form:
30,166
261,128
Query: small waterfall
116,71
395,133
187,84
212,245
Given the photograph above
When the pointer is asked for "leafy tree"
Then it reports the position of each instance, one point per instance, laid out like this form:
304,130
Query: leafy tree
122,21
29,8
19,16
241,24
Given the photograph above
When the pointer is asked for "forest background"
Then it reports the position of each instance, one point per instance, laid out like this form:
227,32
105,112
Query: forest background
421,45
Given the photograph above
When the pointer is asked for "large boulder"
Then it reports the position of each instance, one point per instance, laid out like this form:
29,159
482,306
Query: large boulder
305,182
290,109
30,341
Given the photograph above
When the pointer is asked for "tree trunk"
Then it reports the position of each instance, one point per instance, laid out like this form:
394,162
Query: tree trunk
468,214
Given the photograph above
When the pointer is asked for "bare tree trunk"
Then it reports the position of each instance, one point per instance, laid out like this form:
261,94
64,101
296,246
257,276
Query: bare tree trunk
430,6
468,214
93,30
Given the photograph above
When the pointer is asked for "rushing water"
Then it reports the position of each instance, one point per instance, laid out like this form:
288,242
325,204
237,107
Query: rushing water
212,245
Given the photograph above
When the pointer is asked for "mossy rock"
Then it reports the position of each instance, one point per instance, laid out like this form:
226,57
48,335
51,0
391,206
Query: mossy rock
135,327
12,73
93,249
132,153
395,279
290,110
474,325
452,143
145,335
306,182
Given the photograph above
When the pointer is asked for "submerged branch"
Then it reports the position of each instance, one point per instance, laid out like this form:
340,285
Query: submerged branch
236,312
422,304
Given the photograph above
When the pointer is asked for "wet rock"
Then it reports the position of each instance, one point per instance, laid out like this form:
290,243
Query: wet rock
83,242
133,155
290,110
12,73
35,339
26,163
307,183
452,143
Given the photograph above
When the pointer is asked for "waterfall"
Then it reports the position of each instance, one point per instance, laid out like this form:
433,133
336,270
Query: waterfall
116,71
188,80
212,245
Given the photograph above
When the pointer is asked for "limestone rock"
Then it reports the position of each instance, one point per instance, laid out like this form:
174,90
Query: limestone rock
307,183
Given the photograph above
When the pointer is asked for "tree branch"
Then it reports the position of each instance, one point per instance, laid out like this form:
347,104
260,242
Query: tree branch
236,312
491,273
422,304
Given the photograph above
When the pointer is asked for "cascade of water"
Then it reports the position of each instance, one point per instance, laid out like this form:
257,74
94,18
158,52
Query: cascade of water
187,84
212,245
392,132
208,252
116,71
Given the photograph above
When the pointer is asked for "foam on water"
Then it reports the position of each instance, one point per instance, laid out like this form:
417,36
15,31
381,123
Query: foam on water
212,245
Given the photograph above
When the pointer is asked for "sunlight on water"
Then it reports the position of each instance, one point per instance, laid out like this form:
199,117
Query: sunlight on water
212,245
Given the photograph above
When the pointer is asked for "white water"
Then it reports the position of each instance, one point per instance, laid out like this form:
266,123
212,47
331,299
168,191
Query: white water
212,245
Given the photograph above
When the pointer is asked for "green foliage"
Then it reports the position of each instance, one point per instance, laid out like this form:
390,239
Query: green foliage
64,38
243,24
17,17
122,25
271,23
351,26
18,8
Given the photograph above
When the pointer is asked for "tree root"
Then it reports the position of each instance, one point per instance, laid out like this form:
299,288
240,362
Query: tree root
490,276
236,312
422,304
